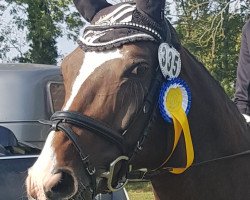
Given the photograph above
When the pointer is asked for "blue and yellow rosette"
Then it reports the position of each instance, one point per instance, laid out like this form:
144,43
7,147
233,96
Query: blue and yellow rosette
174,103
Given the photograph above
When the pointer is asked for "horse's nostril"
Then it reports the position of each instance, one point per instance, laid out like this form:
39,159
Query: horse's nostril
64,183
59,186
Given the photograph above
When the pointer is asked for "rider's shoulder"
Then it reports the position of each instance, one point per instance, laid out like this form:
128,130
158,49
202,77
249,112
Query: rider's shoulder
246,27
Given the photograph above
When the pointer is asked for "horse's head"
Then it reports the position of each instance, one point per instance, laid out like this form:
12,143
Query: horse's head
108,103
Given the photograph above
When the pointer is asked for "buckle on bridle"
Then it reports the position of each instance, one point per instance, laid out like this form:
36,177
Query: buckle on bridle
91,171
110,174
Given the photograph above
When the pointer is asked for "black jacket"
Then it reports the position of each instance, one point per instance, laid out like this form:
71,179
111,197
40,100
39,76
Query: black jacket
242,94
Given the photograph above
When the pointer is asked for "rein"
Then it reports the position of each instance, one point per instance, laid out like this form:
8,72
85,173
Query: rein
144,174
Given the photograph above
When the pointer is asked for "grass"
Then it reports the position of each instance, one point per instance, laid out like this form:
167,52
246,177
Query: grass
140,191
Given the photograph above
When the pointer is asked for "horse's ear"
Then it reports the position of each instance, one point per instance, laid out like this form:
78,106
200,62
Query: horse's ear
88,8
153,8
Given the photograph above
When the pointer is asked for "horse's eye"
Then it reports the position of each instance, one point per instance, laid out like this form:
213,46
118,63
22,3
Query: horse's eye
139,70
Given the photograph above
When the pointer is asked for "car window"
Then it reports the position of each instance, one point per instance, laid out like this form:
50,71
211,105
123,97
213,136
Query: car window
56,94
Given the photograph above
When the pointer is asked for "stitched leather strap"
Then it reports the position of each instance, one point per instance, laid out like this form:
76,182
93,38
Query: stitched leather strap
82,121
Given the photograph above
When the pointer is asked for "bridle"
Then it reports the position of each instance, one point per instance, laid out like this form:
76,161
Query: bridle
63,120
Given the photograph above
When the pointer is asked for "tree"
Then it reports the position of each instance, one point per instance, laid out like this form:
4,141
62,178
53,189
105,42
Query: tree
42,34
45,22
211,30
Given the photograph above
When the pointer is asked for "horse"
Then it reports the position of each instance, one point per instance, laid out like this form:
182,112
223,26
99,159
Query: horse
111,129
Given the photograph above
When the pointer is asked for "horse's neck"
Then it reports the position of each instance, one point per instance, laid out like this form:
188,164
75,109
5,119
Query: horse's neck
217,128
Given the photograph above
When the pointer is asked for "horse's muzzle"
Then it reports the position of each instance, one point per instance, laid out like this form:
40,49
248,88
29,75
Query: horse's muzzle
57,186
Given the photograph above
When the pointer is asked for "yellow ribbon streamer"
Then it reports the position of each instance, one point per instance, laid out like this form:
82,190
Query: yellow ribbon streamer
174,106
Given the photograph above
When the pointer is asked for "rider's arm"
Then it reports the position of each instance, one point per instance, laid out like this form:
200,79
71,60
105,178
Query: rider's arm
242,94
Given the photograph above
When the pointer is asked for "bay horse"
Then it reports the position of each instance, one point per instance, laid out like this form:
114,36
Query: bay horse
110,127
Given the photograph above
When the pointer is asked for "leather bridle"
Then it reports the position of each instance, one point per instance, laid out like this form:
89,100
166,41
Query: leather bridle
63,120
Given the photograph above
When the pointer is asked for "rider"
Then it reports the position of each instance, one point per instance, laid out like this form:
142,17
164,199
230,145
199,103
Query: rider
242,94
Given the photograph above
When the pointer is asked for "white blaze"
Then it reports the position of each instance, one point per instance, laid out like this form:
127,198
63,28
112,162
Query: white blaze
47,159
91,61
47,152
44,166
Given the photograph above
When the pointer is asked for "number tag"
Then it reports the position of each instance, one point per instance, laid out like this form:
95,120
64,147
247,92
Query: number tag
169,60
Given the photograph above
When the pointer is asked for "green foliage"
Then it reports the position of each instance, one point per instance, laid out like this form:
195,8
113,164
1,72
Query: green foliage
212,32
42,33
45,21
